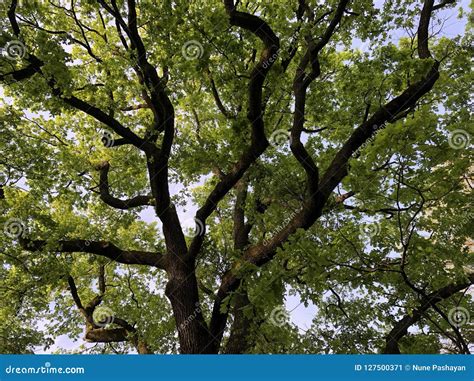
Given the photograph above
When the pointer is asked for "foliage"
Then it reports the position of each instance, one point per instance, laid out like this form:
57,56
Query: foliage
405,222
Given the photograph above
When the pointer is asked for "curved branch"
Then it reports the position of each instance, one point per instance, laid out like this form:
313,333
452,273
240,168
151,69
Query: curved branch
102,117
301,83
117,203
12,17
443,4
96,334
337,170
25,73
217,98
75,295
260,254
259,141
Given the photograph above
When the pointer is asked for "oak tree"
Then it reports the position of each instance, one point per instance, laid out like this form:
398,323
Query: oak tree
173,171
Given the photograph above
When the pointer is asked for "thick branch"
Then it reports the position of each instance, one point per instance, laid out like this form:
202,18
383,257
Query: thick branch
75,295
423,35
239,340
102,117
443,4
259,141
301,83
25,73
217,98
35,65
12,17
127,332
107,335
312,209
102,248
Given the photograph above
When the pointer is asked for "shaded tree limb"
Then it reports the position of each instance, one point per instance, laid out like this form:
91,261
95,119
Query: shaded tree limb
96,333
443,4
217,98
401,327
423,35
301,83
259,141
35,65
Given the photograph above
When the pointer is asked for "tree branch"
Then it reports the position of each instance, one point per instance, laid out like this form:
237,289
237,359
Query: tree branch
401,327
337,170
101,248
259,141
217,98
75,295
443,4
423,36
12,17
116,202
301,83
101,116
260,254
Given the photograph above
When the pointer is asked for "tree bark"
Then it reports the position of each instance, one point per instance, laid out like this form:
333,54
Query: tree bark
240,340
182,292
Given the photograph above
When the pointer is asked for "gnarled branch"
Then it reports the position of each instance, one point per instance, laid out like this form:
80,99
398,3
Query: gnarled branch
118,203
259,141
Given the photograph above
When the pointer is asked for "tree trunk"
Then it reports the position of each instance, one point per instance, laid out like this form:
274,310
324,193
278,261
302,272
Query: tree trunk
182,291
240,340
